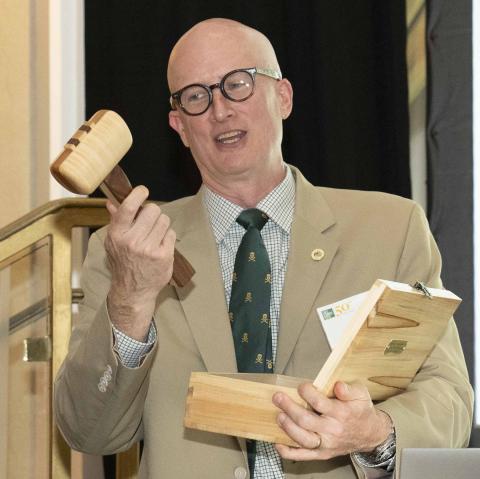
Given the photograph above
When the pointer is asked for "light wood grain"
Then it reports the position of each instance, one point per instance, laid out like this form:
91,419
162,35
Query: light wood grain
56,221
92,152
391,311
241,404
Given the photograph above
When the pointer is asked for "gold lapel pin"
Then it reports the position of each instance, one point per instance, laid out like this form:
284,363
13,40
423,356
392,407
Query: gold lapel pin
318,254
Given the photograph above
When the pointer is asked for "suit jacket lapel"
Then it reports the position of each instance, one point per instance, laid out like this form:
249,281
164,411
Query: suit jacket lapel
203,299
305,275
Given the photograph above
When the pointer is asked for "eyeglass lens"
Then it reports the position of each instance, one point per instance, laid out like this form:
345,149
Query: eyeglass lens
236,86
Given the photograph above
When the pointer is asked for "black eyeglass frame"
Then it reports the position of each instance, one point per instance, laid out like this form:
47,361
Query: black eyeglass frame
268,72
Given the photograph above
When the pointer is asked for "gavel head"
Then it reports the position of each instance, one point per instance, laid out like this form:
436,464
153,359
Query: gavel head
92,152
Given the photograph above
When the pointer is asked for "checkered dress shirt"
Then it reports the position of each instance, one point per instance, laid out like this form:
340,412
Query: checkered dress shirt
279,206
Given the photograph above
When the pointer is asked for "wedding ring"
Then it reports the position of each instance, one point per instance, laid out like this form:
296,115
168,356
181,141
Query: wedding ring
319,445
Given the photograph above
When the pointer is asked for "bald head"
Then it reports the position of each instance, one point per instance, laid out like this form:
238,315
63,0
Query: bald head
215,46
236,144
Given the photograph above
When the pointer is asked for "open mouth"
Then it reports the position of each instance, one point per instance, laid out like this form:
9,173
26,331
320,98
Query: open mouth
230,137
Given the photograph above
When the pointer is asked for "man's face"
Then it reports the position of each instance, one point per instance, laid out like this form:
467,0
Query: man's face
231,140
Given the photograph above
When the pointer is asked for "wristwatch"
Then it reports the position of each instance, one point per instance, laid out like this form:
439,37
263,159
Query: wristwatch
383,456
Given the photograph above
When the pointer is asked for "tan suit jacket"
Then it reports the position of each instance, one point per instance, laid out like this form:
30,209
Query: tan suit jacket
365,236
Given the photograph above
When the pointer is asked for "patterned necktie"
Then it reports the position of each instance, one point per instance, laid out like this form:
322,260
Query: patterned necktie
249,308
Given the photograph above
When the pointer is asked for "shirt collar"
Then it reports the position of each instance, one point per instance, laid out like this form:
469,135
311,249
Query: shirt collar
278,205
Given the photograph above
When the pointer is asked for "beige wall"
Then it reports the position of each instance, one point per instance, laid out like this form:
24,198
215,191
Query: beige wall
23,107
14,109
41,51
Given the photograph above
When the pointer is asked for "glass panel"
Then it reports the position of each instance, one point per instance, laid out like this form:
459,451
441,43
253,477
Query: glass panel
25,389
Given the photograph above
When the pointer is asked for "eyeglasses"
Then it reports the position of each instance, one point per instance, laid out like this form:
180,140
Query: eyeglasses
237,85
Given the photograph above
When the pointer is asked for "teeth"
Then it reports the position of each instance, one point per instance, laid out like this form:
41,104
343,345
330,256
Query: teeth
231,140
230,136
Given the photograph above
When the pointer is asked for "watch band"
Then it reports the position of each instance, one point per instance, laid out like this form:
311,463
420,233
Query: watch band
383,456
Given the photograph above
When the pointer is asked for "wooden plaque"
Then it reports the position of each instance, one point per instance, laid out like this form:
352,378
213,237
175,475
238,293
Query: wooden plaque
385,343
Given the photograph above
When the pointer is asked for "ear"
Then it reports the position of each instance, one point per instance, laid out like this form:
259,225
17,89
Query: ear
285,91
175,121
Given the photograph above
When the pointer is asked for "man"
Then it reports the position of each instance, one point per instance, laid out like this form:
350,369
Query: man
126,377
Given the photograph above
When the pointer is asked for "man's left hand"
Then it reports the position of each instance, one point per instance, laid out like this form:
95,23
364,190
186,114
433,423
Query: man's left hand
335,426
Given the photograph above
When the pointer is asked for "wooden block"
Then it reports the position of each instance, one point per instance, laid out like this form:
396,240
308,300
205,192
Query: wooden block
388,339
383,346
239,404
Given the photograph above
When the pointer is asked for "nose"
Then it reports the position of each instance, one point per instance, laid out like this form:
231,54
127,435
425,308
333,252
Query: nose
221,107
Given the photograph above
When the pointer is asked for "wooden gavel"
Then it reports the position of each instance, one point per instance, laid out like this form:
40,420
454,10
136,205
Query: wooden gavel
90,160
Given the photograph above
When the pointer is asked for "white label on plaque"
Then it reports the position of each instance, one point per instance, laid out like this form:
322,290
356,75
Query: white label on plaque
335,317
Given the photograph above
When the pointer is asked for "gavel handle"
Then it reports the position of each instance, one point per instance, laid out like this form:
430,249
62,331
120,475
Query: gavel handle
116,187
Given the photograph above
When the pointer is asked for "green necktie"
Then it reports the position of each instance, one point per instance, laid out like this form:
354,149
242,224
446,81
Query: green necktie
249,308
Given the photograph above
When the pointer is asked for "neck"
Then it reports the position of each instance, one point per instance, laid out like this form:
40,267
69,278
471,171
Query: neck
247,192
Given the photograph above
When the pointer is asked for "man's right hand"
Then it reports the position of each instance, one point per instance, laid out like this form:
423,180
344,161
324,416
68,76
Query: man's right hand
139,246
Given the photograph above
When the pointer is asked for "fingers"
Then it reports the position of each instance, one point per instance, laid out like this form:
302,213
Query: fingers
302,426
317,432
351,392
318,401
344,393
137,223
152,223
169,241
124,215
111,208
139,246
296,454
299,423
349,422
150,217
300,434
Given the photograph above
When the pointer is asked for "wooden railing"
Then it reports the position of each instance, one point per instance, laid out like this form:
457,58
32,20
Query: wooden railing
48,229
